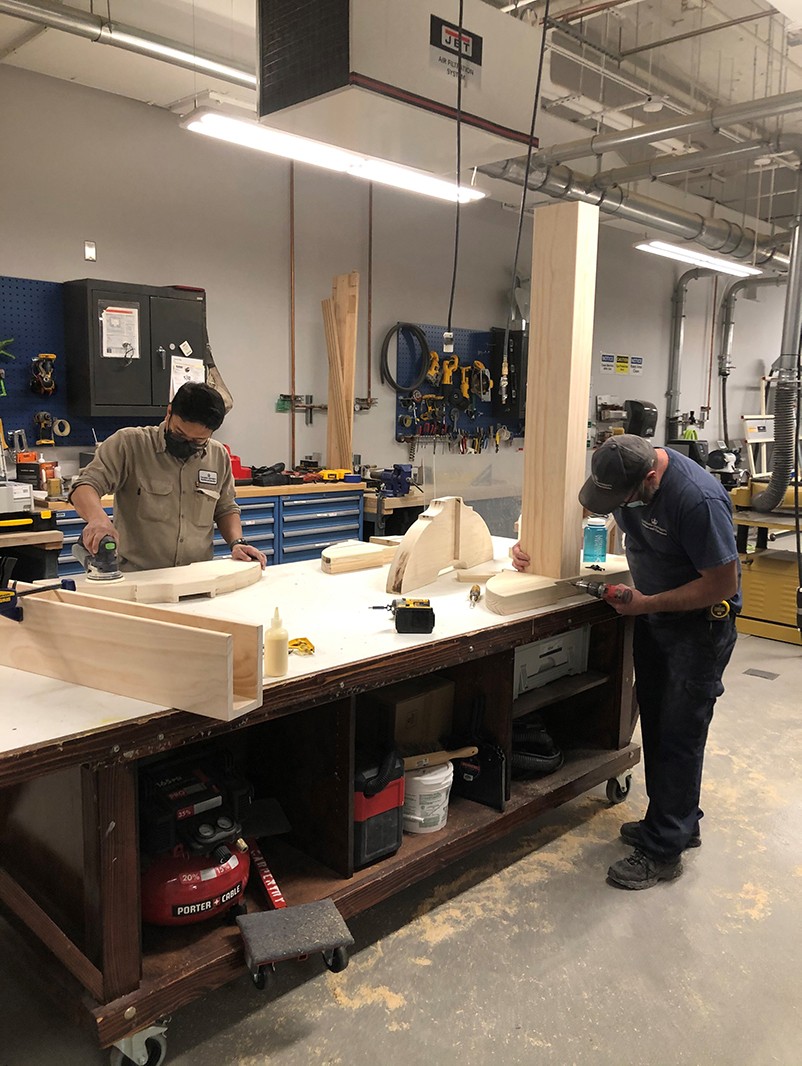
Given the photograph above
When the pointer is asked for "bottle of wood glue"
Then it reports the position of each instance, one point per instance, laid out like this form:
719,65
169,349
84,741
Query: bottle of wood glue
276,648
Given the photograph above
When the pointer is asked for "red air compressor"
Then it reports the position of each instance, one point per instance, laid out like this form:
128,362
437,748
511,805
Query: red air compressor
194,863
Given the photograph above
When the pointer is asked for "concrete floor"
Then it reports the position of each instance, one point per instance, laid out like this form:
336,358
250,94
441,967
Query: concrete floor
524,954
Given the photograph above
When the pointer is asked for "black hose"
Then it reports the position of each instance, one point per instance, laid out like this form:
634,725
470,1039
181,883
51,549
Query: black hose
783,460
420,337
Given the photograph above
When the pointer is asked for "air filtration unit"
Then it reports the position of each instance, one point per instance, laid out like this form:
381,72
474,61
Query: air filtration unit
380,77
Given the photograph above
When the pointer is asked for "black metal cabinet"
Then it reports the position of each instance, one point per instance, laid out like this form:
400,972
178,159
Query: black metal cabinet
120,340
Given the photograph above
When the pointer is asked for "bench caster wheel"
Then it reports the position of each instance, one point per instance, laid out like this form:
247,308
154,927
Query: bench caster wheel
261,977
336,959
154,1048
618,788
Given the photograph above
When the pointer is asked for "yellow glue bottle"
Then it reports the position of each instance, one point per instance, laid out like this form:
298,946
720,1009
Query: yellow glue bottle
276,648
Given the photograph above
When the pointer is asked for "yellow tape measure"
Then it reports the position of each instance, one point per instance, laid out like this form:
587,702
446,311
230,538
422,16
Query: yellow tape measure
718,611
302,646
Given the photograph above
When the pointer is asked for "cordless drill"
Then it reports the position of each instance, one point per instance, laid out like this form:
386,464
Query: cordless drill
602,591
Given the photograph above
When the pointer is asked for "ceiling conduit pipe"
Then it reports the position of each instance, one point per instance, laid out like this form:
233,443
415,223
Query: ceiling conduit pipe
678,300
671,165
104,31
681,126
716,234
785,444
727,332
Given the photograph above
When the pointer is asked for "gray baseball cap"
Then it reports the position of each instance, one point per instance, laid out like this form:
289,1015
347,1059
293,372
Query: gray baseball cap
616,469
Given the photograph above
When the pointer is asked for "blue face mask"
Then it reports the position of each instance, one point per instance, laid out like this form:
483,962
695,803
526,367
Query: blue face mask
635,503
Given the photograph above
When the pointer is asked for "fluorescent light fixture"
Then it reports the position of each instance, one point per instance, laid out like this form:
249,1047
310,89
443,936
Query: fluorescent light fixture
316,153
699,259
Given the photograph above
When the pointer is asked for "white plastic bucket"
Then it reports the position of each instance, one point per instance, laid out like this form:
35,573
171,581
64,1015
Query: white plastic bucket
426,798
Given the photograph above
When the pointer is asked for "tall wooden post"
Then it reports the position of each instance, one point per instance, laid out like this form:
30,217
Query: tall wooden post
558,385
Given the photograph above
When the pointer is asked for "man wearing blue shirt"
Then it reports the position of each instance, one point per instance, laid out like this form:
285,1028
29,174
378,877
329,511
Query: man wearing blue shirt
680,547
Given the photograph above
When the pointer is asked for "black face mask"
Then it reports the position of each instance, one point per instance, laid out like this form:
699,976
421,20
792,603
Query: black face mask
178,447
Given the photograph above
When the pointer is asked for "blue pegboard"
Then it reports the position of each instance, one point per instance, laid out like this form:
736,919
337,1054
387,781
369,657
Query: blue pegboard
31,313
469,345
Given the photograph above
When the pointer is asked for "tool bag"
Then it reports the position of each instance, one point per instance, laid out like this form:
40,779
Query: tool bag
269,475
213,375
482,777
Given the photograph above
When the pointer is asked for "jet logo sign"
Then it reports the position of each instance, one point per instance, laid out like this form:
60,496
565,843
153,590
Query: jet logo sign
447,37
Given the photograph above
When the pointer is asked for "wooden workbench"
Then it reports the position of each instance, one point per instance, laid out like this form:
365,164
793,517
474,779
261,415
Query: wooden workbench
69,759
37,550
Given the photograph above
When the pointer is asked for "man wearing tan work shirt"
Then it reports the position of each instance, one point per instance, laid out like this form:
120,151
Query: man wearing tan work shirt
171,483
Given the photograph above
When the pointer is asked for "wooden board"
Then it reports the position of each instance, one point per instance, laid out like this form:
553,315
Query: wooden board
174,583
203,665
558,386
511,592
350,555
449,533
43,538
560,357
340,318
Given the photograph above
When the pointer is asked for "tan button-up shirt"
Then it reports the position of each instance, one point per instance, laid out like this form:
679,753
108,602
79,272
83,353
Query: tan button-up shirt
164,508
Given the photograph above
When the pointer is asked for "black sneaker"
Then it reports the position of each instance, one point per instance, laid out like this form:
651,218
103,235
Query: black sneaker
631,834
640,870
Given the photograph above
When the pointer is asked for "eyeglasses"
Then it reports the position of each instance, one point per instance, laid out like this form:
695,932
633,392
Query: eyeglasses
198,442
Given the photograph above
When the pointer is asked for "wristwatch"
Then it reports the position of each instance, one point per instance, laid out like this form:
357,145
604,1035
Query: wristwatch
239,540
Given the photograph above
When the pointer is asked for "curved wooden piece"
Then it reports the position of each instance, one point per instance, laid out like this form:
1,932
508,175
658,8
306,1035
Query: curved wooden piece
511,592
208,578
448,533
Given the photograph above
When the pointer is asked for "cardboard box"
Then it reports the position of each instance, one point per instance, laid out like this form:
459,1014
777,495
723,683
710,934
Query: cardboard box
421,711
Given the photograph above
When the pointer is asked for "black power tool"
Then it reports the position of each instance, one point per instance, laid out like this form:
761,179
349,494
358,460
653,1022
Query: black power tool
103,565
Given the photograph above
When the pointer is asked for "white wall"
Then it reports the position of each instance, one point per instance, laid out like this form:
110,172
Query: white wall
167,206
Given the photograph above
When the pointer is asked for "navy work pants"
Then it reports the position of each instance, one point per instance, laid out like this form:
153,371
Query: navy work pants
678,667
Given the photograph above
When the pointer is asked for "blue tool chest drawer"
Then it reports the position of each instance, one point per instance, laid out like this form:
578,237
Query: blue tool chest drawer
258,519
70,525
310,523
285,528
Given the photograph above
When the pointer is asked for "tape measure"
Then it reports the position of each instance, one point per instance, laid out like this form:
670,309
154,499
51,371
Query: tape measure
301,646
718,611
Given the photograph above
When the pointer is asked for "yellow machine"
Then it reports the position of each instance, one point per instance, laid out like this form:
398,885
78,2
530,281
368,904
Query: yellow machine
770,576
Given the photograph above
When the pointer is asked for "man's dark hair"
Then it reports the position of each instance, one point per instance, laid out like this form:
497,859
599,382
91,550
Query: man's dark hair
199,403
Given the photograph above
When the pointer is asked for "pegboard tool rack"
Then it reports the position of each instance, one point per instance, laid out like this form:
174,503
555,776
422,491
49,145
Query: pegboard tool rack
473,429
31,312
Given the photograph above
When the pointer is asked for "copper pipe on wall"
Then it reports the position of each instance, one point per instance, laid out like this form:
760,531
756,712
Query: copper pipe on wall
292,315
370,289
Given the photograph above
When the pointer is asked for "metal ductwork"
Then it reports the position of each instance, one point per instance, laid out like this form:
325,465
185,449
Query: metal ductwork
716,234
104,31
683,126
727,330
784,458
678,301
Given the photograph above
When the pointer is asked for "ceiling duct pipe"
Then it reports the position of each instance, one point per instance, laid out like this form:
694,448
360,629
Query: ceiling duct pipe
785,443
715,234
678,301
104,31
681,126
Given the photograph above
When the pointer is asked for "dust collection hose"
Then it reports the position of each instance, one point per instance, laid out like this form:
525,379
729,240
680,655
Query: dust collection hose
420,337
784,451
